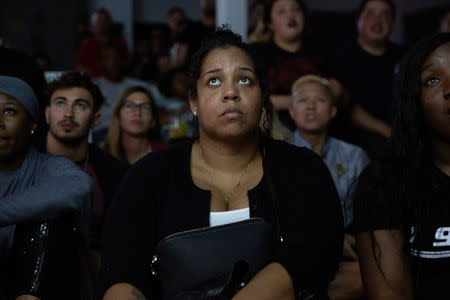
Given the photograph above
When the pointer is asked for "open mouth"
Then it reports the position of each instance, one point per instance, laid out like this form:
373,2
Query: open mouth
292,24
4,139
377,29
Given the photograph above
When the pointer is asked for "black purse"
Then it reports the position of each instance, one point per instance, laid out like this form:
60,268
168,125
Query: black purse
212,262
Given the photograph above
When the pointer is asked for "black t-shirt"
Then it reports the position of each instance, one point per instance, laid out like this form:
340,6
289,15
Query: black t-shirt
284,68
428,247
158,197
368,77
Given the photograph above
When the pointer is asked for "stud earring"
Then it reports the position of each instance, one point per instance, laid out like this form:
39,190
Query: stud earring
194,113
32,131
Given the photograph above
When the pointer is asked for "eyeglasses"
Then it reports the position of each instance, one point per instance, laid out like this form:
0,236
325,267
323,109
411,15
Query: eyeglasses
143,107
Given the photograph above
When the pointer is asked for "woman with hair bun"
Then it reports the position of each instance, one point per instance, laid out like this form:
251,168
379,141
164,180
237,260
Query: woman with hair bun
231,171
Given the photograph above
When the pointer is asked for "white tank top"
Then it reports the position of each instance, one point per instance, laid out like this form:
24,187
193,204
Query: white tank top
227,217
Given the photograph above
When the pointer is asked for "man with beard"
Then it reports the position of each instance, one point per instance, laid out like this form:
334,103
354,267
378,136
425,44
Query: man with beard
72,110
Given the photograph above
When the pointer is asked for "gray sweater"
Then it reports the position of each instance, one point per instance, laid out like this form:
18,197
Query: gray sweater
44,187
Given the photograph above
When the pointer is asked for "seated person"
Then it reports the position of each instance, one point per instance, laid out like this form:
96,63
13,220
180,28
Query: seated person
36,187
312,110
134,130
113,83
231,168
71,111
102,34
289,54
402,205
367,68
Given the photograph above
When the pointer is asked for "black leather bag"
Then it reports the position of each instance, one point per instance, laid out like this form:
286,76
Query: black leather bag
212,262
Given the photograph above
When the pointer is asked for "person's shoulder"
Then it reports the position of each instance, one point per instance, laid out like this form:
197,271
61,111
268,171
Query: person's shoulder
105,159
287,155
165,158
346,147
99,80
51,161
58,165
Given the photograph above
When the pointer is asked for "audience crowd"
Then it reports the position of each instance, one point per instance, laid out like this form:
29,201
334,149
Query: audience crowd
344,153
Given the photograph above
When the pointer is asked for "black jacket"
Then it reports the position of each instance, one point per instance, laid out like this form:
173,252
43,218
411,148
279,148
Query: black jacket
158,198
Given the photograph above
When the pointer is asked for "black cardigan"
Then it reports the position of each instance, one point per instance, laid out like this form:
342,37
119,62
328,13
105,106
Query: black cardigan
158,197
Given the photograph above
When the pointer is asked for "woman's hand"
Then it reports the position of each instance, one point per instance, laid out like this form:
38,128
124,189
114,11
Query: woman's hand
122,291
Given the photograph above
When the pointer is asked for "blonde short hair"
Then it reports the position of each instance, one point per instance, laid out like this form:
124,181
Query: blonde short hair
314,79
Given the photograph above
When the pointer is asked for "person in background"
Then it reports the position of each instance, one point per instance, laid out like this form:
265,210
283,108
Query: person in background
71,112
312,110
174,85
288,55
179,49
43,204
134,130
114,83
366,68
257,31
191,33
230,170
42,60
88,55
143,62
444,20
402,205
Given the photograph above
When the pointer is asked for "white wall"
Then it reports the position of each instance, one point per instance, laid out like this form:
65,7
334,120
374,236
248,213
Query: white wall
234,13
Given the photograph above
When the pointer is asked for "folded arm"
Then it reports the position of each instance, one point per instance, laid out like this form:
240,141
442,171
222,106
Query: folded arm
62,187
361,118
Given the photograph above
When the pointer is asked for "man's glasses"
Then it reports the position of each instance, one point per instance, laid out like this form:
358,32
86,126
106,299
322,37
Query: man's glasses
130,106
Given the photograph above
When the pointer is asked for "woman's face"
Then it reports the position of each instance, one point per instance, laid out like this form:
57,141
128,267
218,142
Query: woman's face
15,129
229,96
286,20
136,116
435,79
